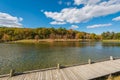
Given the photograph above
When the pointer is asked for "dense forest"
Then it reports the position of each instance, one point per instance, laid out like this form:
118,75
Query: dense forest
12,34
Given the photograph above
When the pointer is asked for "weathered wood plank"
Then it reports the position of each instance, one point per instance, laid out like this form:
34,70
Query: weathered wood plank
54,74
76,74
70,74
4,78
79,73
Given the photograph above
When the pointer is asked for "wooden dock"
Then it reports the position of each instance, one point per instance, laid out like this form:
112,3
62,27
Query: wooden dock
80,72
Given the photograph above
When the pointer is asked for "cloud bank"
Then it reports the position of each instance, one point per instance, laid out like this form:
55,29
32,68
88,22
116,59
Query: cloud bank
74,27
116,19
91,9
99,25
57,22
7,20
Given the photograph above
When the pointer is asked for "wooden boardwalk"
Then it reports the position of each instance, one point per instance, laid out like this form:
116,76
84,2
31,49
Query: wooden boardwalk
81,72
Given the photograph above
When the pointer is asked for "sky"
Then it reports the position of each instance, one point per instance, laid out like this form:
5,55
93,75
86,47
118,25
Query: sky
93,16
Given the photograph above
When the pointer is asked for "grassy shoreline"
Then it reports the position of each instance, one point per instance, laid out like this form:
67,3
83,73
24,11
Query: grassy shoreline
58,40
110,40
48,40
62,40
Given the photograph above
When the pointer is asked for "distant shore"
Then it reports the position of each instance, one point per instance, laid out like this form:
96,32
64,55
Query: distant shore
49,40
58,40
110,40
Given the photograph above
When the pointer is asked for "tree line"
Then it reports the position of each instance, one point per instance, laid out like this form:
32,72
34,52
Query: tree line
110,35
13,34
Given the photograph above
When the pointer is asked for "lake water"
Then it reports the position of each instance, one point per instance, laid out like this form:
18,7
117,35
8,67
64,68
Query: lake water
24,57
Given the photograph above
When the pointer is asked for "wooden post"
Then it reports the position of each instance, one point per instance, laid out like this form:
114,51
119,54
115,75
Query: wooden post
58,66
12,72
110,77
89,61
111,58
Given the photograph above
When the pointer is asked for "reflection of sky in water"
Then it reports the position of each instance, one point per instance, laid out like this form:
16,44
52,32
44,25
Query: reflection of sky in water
47,54
98,46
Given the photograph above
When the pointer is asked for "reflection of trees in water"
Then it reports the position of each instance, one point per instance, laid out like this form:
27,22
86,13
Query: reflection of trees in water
111,44
67,44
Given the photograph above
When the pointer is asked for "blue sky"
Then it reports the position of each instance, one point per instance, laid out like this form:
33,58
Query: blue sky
94,16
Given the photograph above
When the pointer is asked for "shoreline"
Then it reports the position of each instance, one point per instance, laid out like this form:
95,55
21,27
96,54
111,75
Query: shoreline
110,40
58,40
48,40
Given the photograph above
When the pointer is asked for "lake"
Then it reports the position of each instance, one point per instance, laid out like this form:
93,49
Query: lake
30,56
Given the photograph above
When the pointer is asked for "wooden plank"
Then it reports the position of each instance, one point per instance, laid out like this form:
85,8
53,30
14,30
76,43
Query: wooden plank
39,76
29,76
34,76
114,67
70,74
86,70
54,74
21,77
67,74
48,76
4,78
64,75
77,74
100,70
92,71
43,75
60,76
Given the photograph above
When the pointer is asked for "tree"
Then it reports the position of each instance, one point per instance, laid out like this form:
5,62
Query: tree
93,36
117,36
79,35
52,36
37,37
6,37
108,35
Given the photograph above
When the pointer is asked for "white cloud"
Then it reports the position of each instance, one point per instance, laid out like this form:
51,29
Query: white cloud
116,19
10,21
57,23
91,9
60,2
99,25
74,27
68,3
86,2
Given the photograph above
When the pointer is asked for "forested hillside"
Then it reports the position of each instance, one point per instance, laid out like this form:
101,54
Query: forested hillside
12,34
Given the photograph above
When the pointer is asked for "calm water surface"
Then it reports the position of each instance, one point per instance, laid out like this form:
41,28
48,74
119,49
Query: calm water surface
24,57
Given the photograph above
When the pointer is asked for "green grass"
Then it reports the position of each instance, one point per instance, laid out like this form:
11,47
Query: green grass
110,40
24,41
44,40
114,78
